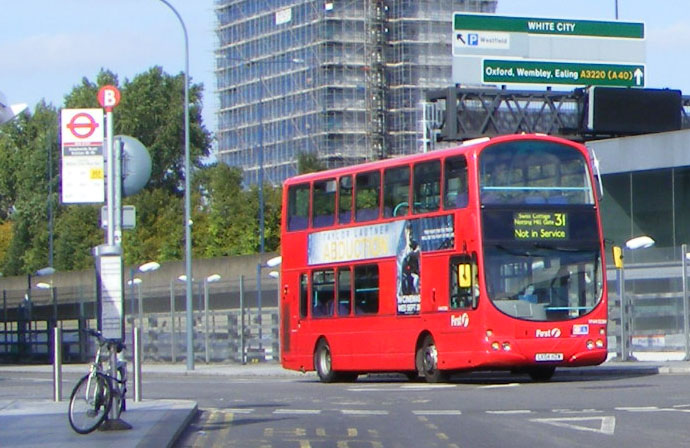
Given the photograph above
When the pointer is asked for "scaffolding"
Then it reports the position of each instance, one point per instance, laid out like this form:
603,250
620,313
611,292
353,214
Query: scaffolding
342,79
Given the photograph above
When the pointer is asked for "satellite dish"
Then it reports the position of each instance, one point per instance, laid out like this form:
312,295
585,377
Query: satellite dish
136,164
9,111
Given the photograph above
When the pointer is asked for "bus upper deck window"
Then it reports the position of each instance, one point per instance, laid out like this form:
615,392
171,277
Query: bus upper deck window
455,189
323,203
345,200
298,207
367,196
396,191
427,186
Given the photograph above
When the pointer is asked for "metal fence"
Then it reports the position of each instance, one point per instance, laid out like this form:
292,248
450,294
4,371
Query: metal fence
227,326
229,322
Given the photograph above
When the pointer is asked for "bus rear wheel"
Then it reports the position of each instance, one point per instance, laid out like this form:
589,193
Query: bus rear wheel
323,362
427,362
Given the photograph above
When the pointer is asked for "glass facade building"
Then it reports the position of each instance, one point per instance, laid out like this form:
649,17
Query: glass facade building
646,188
342,79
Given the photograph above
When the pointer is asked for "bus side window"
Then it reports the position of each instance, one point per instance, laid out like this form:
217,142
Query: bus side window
323,293
303,295
367,289
463,283
323,203
455,189
344,292
427,186
345,200
298,207
367,196
396,191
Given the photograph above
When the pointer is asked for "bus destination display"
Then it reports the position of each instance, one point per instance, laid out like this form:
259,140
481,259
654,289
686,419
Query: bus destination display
540,225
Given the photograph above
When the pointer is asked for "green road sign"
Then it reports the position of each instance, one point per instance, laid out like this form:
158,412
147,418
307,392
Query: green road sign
564,27
501,71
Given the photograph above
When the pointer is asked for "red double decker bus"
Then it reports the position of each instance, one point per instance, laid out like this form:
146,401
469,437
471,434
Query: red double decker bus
484,256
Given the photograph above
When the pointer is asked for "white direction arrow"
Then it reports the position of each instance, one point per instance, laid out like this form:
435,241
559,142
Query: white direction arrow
607,425
638,76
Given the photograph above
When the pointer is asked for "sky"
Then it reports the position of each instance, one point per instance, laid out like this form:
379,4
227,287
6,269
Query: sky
48,46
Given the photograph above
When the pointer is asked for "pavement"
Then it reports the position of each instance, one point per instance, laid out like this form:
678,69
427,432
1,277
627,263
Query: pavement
159,423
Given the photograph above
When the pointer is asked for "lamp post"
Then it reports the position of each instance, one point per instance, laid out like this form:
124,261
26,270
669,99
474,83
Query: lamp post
136,281
45,272
210,279
187,194
640,242
9,111
685,256
272,263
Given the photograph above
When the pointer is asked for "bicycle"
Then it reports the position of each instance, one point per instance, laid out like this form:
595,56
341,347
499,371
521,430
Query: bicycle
95,394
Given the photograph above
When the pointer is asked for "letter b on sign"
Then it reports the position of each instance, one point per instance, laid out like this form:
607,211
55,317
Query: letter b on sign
108,97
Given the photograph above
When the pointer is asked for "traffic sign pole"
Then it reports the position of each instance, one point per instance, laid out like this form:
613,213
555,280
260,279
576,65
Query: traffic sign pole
110,175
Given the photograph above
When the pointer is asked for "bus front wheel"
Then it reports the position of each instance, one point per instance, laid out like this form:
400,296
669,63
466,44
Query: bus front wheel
427,362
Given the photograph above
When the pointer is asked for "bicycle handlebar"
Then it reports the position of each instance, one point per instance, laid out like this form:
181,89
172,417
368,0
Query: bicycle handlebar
119,345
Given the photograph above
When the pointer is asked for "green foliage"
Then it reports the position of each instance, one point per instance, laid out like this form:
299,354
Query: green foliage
224,214
77,231
159,233
308,162
230,223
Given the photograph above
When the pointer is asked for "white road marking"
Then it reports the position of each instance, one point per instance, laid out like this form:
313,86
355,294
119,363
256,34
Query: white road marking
499,386
297,411
362,412
438,412
607,424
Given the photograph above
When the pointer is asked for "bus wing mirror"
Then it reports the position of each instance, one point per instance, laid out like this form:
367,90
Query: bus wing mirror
617,257
597,174
465,275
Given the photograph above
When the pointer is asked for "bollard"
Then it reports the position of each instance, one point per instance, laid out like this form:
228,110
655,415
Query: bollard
57,364
137,364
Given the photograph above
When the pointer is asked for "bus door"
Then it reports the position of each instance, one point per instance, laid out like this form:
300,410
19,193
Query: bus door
463,295
295,303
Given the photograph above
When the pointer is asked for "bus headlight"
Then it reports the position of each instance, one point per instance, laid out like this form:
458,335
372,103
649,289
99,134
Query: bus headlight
496,346
590,344
506,346
600,343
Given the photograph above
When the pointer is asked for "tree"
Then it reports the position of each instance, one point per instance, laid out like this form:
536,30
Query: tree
308,162
25,148
231,225
152,111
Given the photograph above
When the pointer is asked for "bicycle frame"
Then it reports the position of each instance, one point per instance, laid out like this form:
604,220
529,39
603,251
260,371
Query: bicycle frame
119,385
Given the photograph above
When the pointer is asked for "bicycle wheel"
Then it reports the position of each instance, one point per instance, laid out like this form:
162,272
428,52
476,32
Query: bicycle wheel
90,403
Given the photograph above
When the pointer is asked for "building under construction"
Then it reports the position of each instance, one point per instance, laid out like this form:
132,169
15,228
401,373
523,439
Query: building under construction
342,79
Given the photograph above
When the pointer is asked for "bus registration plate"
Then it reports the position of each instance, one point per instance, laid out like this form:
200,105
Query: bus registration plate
549,357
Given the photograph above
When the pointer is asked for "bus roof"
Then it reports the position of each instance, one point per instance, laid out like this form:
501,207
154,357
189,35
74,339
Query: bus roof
465,147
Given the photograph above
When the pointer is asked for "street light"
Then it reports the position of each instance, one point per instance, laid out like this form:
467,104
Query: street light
640,242
210,279
144,268
272,263
9,111
136,281
187,193
685,256
45,272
